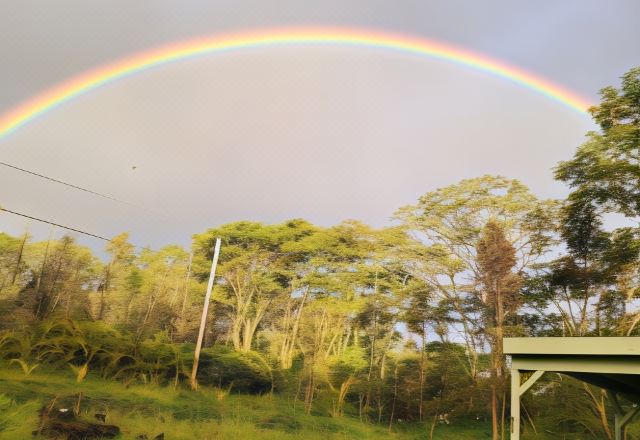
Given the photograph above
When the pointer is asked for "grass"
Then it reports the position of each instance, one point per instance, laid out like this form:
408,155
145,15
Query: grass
182,414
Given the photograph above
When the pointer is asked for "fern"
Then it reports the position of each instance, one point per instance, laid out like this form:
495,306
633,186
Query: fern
80,371
26,368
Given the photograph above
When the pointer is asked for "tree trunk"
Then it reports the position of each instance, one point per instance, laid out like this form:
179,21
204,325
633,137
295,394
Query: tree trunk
494,413
287,358
186,288
19,259
422,370
395,394
344,390
103,291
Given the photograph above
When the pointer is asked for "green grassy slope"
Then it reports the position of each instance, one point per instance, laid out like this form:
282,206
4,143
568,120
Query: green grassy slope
182,414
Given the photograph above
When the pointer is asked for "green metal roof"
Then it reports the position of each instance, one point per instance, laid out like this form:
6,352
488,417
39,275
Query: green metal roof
608,362
588,346
612,363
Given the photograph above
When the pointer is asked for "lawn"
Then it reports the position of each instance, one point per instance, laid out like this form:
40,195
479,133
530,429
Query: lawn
145,411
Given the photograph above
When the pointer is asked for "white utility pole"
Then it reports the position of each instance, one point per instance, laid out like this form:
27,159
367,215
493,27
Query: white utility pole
196,358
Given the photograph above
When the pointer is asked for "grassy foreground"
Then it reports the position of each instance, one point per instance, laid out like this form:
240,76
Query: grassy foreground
182,414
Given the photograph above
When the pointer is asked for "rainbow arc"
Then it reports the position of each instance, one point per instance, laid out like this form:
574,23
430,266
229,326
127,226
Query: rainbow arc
62,93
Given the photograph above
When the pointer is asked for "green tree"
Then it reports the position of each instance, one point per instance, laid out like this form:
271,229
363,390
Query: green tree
257,274
606,168
121,256
11,262
604,176
419,316
448,223
499,288
155,291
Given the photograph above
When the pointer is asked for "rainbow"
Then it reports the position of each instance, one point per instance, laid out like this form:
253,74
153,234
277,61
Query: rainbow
49,100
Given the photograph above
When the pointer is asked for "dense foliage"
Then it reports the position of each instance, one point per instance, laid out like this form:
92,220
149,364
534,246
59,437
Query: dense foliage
398,324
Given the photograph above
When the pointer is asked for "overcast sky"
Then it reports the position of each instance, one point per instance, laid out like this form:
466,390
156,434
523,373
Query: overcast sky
324,133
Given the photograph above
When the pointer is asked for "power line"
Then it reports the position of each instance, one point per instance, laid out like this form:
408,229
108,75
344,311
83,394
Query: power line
70,185
54,224
42,176
67,227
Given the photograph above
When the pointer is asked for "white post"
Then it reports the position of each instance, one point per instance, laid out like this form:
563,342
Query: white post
212,274
515,404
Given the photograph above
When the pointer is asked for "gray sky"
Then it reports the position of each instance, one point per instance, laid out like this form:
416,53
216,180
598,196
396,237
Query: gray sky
324,133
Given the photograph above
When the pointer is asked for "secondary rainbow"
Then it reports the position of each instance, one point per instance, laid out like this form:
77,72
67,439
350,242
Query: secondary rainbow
62,93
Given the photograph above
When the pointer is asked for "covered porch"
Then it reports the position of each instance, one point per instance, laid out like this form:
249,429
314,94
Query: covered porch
612,363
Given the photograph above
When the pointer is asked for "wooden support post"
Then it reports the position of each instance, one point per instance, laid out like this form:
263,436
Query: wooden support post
618,427
203,320
515,404
517,390
529,382
622,418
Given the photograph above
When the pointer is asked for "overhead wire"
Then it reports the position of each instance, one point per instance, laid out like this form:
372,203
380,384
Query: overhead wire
54,224
69,228
42,176
86,190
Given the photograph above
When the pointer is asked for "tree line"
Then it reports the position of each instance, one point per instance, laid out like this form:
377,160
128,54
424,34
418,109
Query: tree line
395,324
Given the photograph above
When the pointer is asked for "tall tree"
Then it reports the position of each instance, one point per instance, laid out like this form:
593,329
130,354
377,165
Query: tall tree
121,255
604,176
606,168
419,316
448,223
258,273
10,259
499,289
